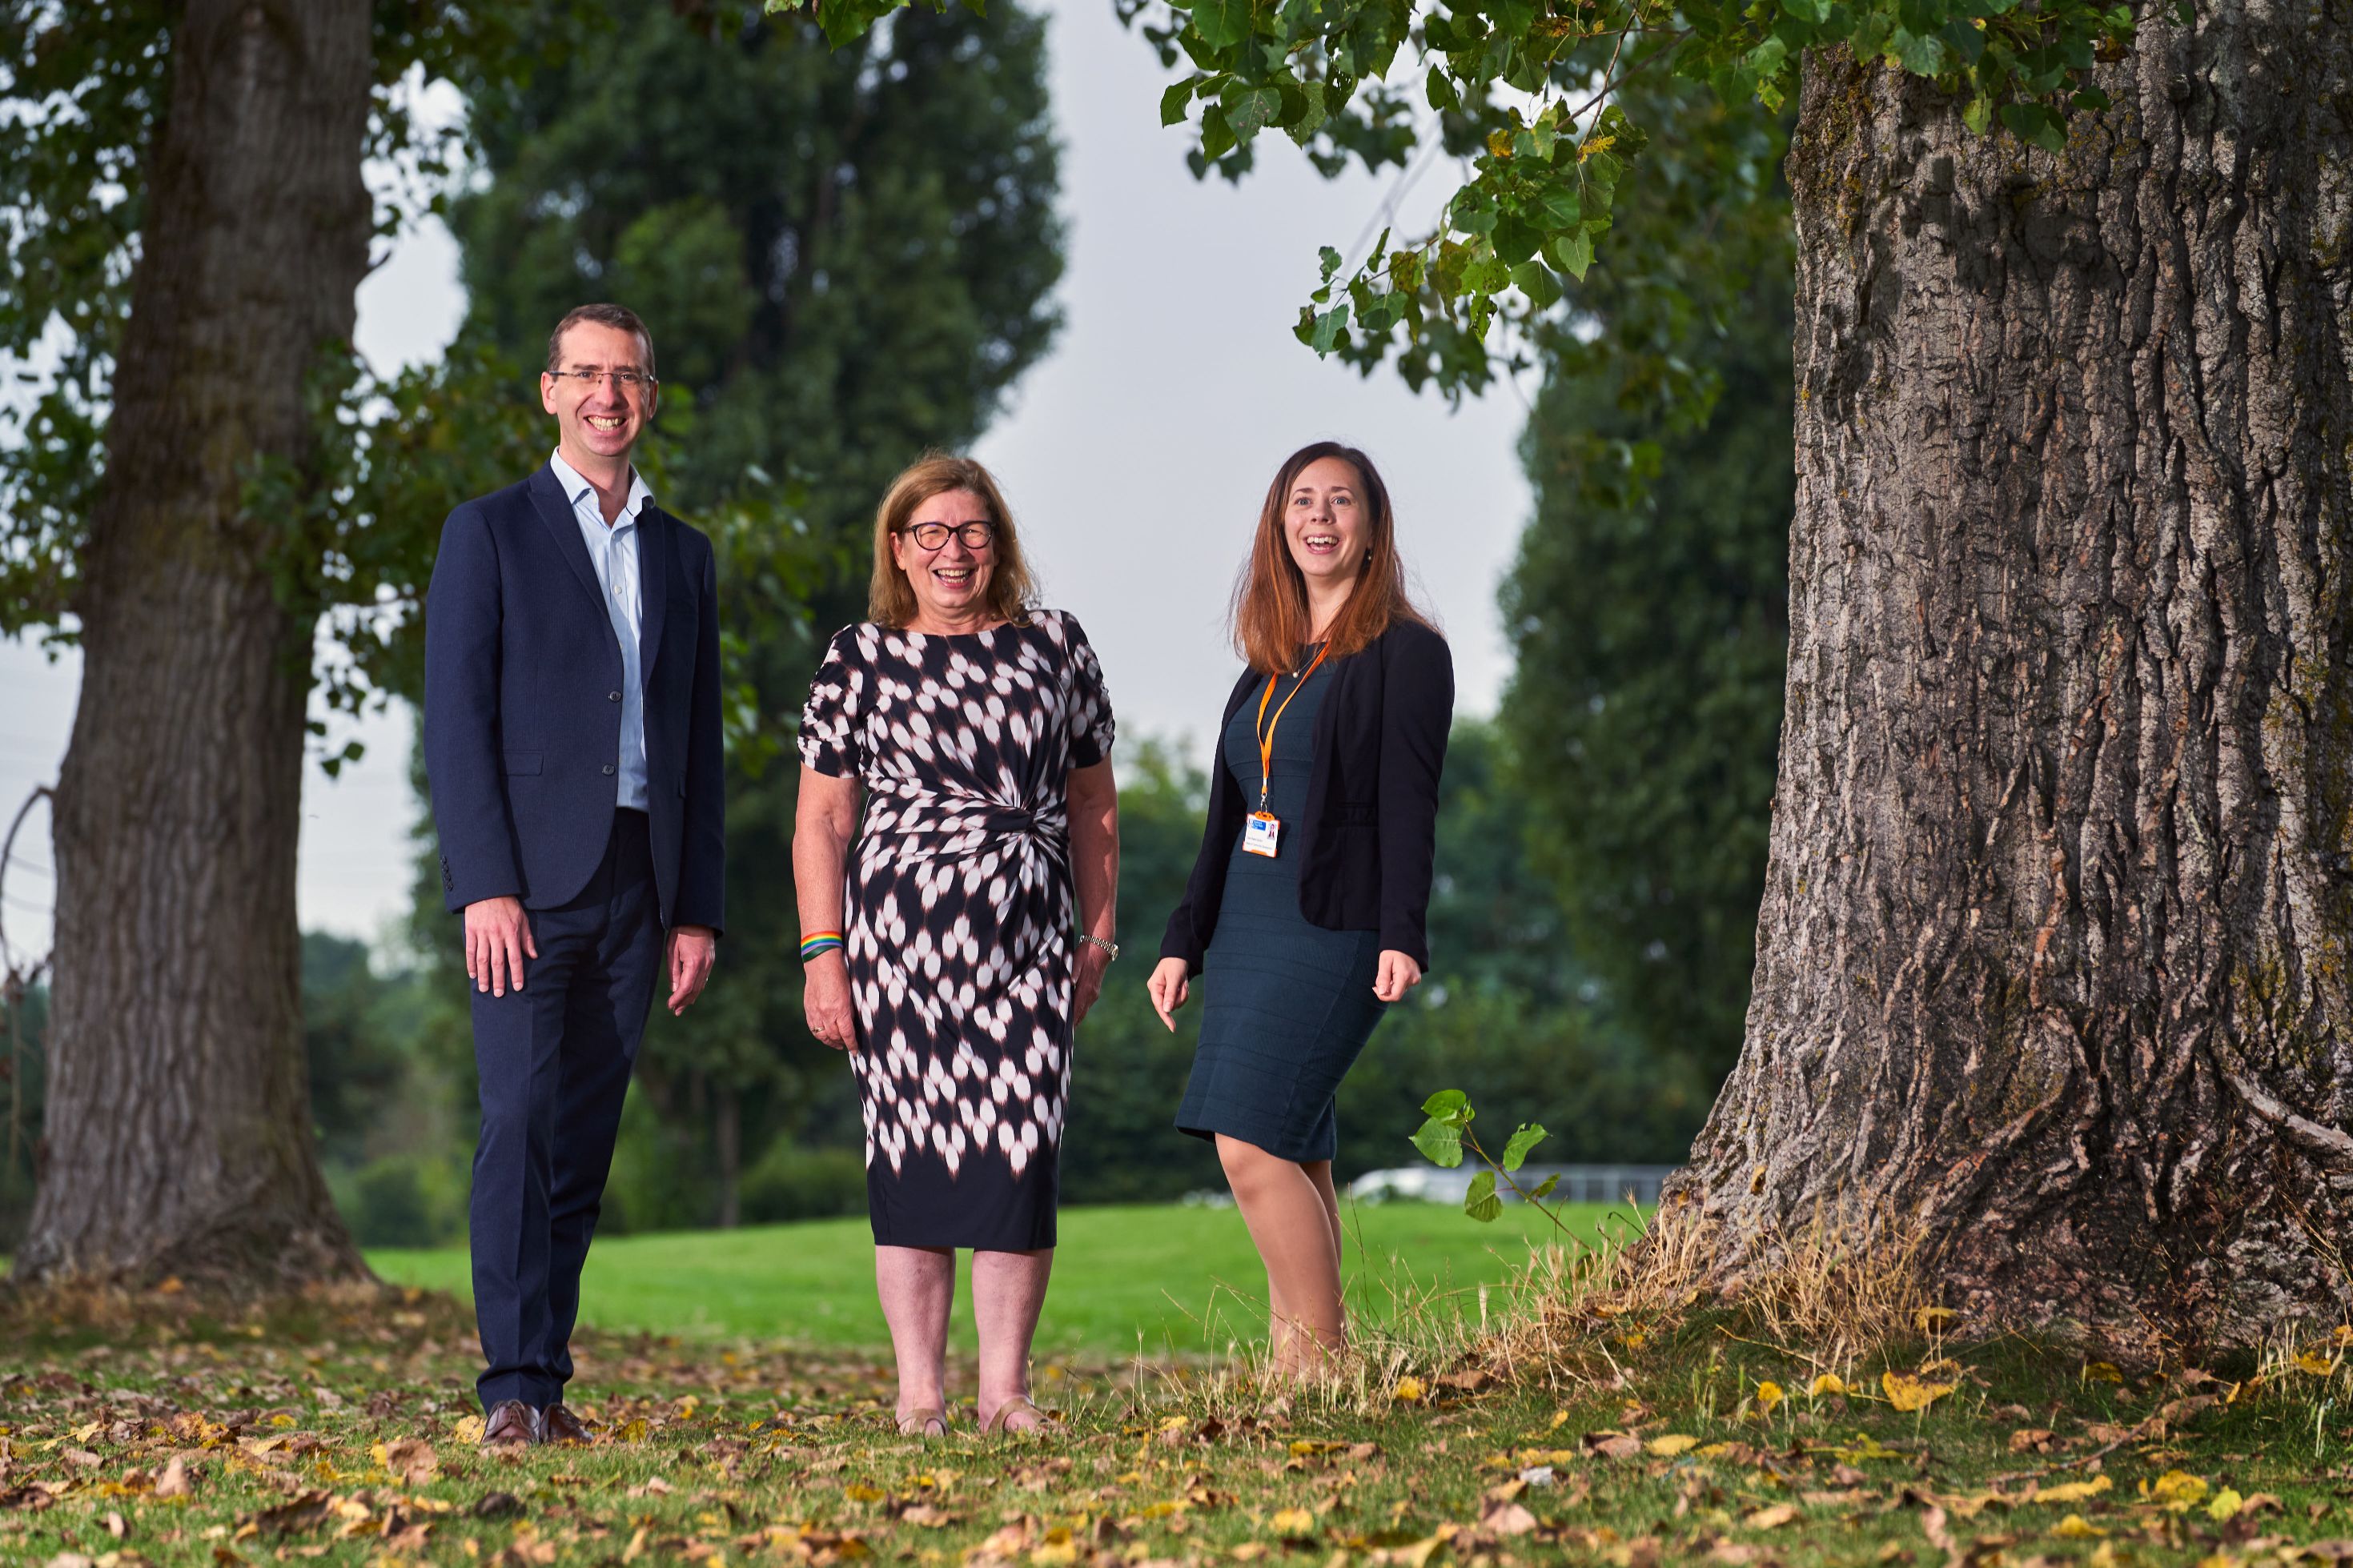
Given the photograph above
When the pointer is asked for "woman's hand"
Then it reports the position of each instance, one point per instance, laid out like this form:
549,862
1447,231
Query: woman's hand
825,993
1087,987
1170,984
1398,974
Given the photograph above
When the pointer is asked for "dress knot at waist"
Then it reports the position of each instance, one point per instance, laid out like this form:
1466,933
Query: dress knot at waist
922,818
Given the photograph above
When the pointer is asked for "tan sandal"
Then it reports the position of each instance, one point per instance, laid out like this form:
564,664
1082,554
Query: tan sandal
919,1423
995,1425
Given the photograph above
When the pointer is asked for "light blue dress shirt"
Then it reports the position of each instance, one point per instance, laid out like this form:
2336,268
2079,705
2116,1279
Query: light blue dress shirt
613,551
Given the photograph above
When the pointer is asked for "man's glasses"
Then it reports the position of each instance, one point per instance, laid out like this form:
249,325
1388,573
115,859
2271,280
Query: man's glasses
627,379
975,535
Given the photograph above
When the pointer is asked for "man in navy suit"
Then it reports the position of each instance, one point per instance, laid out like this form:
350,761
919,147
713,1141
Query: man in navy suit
572,746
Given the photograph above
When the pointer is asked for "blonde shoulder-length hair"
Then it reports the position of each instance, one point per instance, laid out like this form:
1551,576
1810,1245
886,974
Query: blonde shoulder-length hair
890,600
1270,620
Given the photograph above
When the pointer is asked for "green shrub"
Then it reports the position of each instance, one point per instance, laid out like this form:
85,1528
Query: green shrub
792,1181
402,1200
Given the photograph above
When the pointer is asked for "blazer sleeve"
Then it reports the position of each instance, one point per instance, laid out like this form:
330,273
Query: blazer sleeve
1205,888
1417,714
464,770
702,861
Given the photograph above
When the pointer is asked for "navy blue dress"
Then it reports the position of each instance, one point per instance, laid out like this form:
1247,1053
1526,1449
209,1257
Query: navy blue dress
1287,1006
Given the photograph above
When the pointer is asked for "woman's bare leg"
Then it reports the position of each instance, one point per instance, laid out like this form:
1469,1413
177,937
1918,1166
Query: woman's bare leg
917,1285
1008,1290
1295,1229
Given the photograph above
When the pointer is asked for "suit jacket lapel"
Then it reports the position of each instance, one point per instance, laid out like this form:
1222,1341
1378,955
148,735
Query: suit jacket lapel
653,584
555,511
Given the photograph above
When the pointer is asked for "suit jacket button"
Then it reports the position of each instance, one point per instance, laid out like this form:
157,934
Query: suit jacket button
612,697
608,770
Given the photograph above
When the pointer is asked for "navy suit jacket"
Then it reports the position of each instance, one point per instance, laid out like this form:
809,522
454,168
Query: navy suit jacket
1370,832
522,706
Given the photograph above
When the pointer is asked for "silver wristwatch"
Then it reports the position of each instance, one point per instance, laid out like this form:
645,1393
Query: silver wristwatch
1110,947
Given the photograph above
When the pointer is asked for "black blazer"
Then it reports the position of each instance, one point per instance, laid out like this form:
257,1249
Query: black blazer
1372,800
522,706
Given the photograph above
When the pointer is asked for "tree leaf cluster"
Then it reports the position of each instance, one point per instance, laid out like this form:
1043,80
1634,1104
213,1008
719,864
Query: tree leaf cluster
1528,96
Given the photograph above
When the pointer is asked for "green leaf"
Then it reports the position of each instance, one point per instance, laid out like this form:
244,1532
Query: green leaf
2091,100
1921,54
2036,123
1515,241
1449,1104
1480,1202
1575,253
1328,328
1311,116
1222,23
1405,271
1529,1135
1217,136
1173,102
1544,1189
1563,205
1441,92
1814,11
1441,1142
1250,109
1978,114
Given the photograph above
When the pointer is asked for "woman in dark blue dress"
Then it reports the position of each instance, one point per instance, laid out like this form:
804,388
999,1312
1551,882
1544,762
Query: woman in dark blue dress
1305,913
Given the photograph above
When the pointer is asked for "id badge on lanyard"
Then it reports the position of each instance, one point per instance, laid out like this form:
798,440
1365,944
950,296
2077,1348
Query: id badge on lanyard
1261,830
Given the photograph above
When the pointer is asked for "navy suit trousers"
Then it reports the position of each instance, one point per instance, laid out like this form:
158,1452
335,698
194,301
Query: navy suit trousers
555,1060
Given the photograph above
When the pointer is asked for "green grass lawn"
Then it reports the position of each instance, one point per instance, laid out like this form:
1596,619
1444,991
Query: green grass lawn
1161,1279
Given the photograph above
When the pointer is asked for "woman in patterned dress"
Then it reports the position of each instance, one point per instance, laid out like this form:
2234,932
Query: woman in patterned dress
978,727
1306,914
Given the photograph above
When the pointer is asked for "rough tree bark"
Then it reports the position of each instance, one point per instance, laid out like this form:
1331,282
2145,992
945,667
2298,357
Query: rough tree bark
177,1136
2051,964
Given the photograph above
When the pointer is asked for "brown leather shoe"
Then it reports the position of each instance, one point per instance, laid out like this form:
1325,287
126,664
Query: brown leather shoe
558,1425
511,1424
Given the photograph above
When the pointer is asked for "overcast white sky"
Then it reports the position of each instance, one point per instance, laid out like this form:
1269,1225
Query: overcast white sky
1134,457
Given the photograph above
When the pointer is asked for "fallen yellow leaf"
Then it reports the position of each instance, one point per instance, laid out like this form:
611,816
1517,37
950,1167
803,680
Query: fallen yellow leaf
2226,1504
2101,1372
1673,1443
1293,1522
2318,1366
2074,1491
1928,1319
1773,1517
1407,1390
470,1430
1909,1393
2075,1527
1768,1394
1828,1383
2175,1490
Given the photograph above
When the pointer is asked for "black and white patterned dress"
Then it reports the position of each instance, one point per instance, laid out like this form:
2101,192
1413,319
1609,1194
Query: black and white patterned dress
960,915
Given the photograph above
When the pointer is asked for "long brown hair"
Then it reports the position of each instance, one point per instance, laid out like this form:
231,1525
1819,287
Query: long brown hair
889,601
1270,618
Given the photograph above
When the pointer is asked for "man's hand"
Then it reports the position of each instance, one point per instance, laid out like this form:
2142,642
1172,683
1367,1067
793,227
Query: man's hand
692,950
1088,982
825,996
498,935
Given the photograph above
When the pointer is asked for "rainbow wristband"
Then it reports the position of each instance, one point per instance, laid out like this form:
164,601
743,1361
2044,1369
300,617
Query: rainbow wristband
820,941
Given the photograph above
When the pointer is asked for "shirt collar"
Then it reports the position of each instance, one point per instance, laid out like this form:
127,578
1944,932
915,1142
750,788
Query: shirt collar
575,487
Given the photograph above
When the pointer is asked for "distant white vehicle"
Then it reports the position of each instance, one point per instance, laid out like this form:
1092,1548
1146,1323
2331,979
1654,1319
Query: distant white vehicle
1577,1184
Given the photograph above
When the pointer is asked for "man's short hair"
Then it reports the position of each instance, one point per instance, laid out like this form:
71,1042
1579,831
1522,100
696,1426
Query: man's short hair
619,316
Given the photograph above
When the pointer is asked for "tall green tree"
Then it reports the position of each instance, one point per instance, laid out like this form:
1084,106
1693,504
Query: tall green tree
1647,610
181,188
846,256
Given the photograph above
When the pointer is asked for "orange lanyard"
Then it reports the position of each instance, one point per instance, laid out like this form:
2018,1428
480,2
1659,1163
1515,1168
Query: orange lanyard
1266,736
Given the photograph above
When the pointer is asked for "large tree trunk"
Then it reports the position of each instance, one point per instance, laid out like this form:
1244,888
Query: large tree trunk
178,1129
2053,959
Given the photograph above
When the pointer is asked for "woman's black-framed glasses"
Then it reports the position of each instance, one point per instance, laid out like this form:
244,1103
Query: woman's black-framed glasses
976,534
